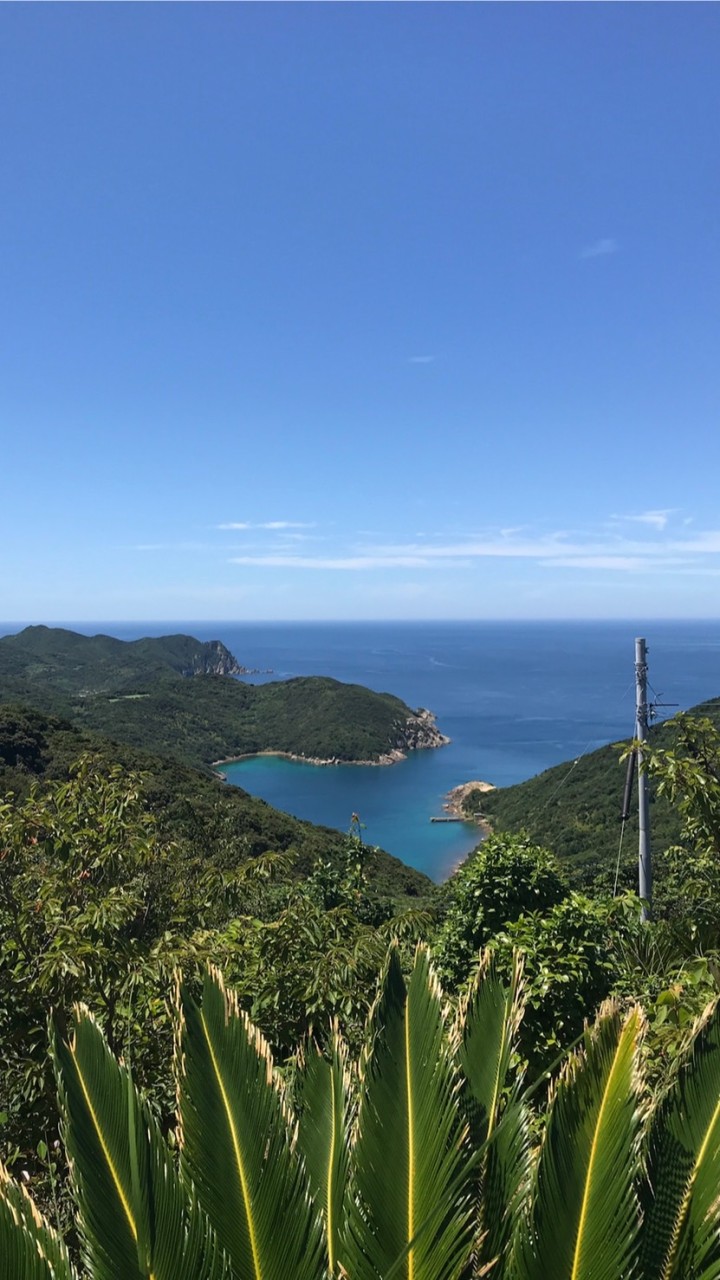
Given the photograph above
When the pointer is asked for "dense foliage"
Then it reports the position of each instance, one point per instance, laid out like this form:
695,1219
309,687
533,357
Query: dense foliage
506,878
116,867
95,903
425,1161
139,693
585,947
574,809
223,824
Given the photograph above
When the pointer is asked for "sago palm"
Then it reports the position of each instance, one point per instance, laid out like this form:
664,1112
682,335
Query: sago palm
414,1164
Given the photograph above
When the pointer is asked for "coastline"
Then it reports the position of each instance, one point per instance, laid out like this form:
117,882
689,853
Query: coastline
389,757
453,802
452,805
420,733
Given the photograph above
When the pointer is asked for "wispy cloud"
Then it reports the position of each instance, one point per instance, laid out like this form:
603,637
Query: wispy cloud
654,519
172,546
625,564
267,524
657,541
600,248
352,562
421,359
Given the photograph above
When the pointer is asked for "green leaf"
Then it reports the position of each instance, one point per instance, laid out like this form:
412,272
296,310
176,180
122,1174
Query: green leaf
136,1219
681,1239
324,1135
237,1143
585,1217
486,1033
29,1248
412,1213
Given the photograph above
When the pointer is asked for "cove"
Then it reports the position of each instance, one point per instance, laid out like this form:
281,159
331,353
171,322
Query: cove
395,804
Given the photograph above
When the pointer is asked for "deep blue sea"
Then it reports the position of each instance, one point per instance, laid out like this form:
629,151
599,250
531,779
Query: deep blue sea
514,697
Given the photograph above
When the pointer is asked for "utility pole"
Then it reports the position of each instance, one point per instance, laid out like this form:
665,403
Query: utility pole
641,727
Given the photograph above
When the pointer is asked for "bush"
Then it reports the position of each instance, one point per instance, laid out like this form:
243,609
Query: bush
508,877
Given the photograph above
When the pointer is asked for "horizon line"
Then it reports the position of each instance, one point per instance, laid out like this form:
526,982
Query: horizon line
353,622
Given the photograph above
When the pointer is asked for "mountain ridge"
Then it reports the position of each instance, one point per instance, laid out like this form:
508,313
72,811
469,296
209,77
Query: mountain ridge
138,691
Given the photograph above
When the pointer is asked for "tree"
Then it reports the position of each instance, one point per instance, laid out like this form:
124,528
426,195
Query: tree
507,877
90,908
688,873
571,965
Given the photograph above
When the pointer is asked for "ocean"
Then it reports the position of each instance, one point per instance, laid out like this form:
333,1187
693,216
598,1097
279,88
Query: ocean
515,698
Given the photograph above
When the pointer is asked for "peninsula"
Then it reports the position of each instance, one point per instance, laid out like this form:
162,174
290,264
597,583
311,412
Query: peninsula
180,697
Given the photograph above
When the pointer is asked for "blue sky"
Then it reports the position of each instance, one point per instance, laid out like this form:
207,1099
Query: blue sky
359,311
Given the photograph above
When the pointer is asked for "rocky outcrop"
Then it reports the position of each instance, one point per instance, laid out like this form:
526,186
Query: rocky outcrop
418,732
211,658
455,799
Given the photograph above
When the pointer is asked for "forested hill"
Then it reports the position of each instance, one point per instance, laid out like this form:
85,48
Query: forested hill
139,692
574,809
220,823
75,664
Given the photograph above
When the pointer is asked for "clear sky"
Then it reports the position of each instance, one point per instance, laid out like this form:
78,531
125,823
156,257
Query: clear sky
359,311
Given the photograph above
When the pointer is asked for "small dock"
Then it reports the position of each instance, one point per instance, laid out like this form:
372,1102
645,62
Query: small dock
448,817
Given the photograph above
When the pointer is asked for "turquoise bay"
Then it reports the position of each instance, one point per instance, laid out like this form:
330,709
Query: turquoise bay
394,803
515,698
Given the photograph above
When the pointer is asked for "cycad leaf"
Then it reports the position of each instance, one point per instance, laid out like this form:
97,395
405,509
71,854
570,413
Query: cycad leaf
681,1236
486,1034
237,1143
585,1216
412,1199
324,1136
136,1219
29,1248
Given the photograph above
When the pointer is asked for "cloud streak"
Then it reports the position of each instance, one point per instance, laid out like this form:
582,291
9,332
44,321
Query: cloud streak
653,519
659,540
614,552
351,562
266,524
600,248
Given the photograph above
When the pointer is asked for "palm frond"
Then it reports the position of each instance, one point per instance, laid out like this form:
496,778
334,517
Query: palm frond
411,1211
585,1216
324,1134
486,1037
29,1248
681,1238
136,1219
237,1142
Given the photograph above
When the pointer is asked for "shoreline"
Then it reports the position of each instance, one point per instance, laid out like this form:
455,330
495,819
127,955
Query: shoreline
388,758
453,802
422,734
452,805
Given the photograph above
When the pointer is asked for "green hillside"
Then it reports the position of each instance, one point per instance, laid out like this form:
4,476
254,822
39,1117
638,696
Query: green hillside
175,696
574,809
223,824
75,664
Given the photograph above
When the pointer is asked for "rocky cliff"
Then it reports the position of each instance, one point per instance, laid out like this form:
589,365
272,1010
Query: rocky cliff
419,731
211,658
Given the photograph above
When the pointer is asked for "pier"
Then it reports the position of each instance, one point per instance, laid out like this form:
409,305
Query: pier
448,817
